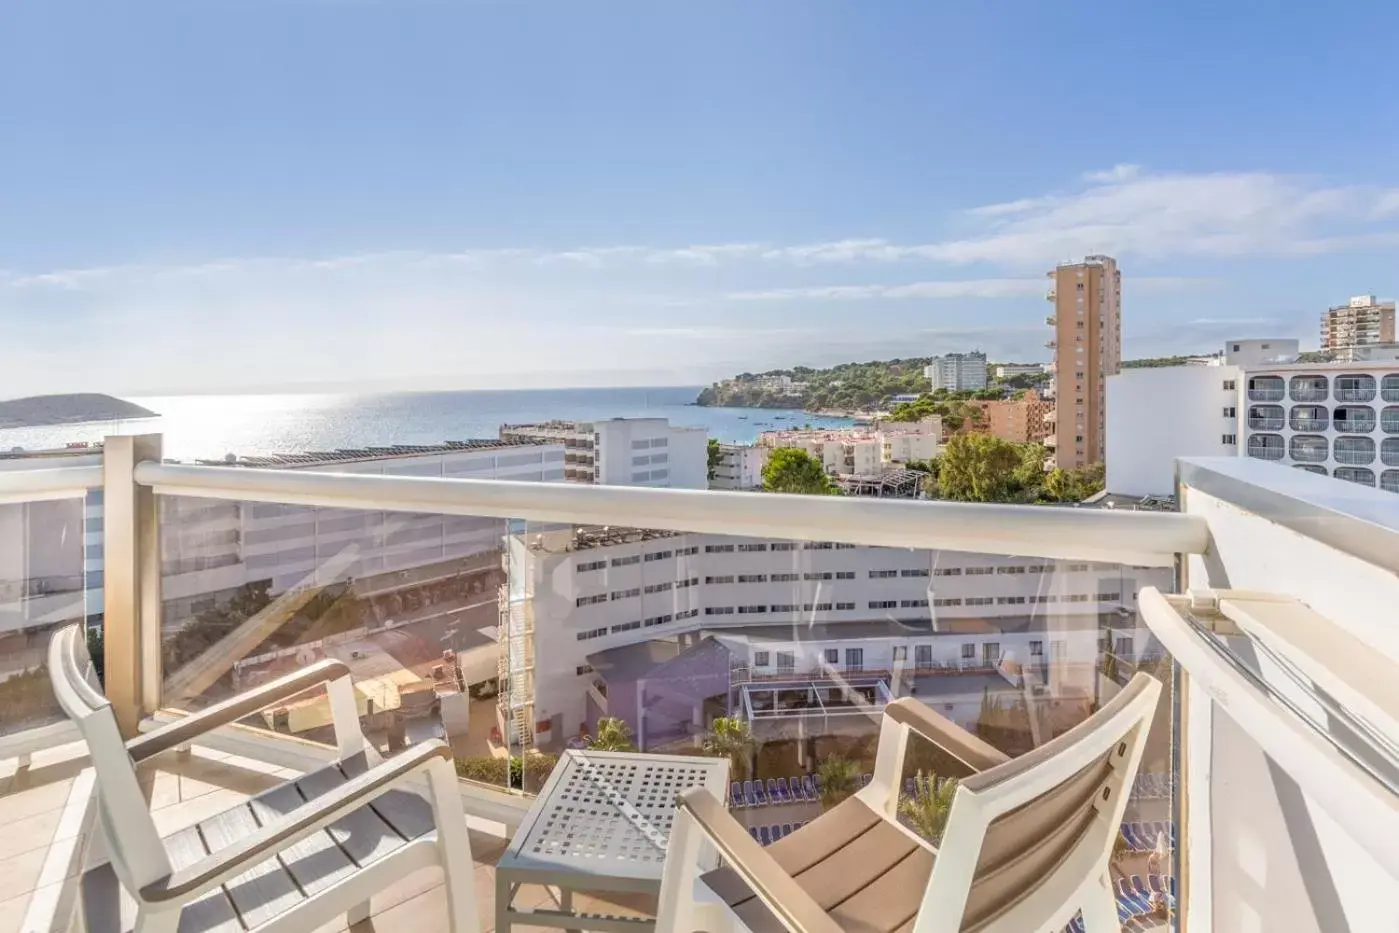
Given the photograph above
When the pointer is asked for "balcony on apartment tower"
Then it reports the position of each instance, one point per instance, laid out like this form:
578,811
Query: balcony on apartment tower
518,621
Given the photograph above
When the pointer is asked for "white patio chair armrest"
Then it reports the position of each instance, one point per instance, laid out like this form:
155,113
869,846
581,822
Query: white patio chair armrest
945,734
188,728
787,900
218,867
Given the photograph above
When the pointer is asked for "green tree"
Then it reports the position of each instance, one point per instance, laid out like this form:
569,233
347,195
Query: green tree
715,455
927,810
613,735
731,738
840,777
792,470
1074,485
979,468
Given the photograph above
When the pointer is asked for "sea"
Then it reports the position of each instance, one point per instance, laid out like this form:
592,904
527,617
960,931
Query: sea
213,426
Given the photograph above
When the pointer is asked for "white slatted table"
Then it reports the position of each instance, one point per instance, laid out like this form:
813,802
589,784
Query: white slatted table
601,823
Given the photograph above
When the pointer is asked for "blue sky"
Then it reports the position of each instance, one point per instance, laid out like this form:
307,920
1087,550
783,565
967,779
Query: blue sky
242,194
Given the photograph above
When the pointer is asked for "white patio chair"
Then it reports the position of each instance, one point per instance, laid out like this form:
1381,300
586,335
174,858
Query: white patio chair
1026,846
289,859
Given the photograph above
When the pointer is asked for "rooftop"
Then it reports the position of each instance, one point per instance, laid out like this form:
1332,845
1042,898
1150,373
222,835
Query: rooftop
365,454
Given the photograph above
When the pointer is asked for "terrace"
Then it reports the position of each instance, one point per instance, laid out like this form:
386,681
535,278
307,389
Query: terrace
1272,755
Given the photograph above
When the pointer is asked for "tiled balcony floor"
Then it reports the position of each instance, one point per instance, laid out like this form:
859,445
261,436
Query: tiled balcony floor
38,825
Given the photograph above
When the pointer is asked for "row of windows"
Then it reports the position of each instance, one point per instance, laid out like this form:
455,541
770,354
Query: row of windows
659,555
654,458
653,442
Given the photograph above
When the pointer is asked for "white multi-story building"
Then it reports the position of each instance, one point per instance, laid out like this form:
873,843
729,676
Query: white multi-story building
957,372
771,603
1007,370
1335,419
624,451
863,451
740,466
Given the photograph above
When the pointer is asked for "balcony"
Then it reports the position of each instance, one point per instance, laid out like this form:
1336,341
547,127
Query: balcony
1389,388
1266,389
1266,446
477,602
1309,388
1359,388
1051,344
1265,417
1051,320
1354,419
1309,418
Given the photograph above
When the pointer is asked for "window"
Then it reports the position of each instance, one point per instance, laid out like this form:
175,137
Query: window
913,573
1036,649
968,652
922,655
948,572
818,545
626,561
718,549
659,620
977,571
626,594
582,669
991,652
1229,440
682,584
980,600
1230,411
640,461
817,576
590,600
751,610
752,578
855,659
660,555
845,547
1122,647
900,653
912,603
844,607
760,659
640,445
1009,570
948,601
821,607
832,655
784,546
659,587
591,565
660,442
883,603
627,626
718,610
786,661
883,574
724,579
784,577
784,607
687,614
592,633
1109,597
1229,385
752,547
688,551
845,574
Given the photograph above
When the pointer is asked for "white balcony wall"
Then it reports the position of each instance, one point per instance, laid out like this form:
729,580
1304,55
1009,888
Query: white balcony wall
1263,853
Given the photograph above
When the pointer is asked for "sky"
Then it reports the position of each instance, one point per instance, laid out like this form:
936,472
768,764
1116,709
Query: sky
245,195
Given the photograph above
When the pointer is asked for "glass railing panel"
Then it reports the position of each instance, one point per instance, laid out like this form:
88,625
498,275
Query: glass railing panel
415,605
781,654
42,588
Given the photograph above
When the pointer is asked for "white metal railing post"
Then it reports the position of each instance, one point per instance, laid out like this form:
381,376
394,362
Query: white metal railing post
131,588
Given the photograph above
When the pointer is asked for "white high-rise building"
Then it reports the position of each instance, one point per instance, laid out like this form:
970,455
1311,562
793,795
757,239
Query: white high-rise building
957,372
625,451
1335,419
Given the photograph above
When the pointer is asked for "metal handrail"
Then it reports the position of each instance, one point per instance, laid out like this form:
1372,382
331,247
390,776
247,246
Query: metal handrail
70,482
1140,538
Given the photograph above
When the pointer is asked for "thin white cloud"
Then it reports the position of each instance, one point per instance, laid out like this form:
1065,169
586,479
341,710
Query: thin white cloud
1120,172
966,288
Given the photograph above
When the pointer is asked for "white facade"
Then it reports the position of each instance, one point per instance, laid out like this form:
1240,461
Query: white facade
211,547
740,466
625,451
583,600
863,451
1007,370
957,372
1156,415
1335,419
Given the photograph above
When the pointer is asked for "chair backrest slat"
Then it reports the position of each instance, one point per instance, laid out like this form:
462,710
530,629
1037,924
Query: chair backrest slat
133,844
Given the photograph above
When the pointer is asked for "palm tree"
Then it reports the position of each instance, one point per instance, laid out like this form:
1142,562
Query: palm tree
731,738
613,735
839,779
927,810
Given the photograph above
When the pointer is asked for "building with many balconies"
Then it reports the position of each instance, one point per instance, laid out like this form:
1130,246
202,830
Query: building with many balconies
1363,321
